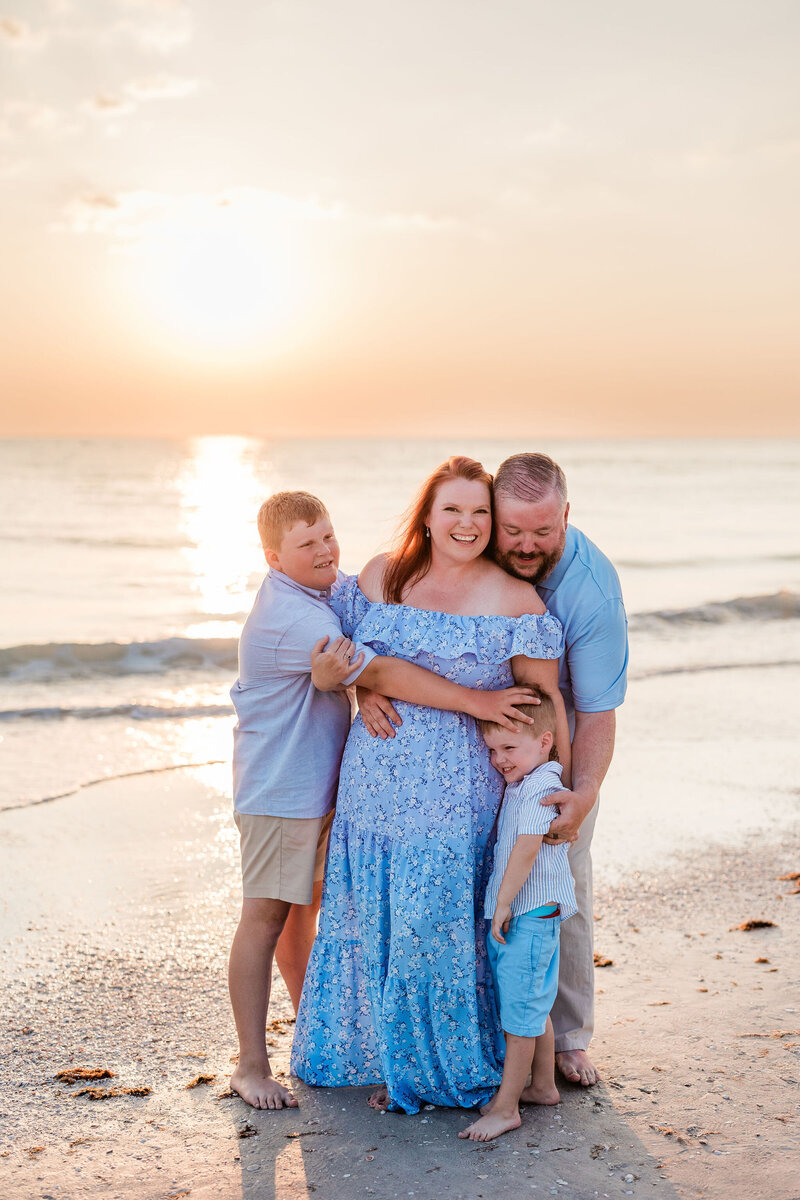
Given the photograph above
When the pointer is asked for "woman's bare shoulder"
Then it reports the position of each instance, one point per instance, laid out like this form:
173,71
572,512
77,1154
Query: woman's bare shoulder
371,578
516,597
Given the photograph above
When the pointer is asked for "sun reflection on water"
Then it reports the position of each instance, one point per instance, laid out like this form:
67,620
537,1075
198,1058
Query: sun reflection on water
220,496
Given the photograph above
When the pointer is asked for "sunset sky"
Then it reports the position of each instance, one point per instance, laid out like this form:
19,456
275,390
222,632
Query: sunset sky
357,217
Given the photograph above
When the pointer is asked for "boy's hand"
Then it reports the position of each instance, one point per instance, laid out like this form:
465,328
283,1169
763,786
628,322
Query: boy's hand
330,668
500,922
498,707
378,713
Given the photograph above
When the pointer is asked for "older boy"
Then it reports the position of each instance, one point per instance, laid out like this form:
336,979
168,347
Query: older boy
288,745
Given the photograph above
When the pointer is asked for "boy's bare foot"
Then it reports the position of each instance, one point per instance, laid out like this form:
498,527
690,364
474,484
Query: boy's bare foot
259,1088
577,1067
491,1126
539,1095
379,1099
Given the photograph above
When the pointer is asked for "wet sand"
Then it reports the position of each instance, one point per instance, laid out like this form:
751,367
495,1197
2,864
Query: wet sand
120,903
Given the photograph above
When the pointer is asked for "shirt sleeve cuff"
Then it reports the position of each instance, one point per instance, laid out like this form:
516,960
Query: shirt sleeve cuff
368,653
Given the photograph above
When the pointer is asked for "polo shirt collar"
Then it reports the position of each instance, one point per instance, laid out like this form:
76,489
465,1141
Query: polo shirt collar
551,581
292,584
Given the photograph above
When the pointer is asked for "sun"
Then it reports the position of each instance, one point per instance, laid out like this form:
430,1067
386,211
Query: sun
216,281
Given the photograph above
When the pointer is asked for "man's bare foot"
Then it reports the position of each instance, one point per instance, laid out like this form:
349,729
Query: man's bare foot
379,1100
540,1095
577,1067
259,1088
491,1126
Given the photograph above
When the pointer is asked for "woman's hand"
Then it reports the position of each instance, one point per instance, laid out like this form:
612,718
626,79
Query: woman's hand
500,922
499,707
378,713
330,668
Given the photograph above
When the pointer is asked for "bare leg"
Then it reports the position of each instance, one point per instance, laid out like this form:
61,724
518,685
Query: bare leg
249,981
294,944
542,1087
504,1112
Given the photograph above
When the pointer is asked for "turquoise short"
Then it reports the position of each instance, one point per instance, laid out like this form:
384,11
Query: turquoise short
525,972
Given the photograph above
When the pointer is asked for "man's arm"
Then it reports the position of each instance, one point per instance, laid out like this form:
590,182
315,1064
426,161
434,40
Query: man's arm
592,751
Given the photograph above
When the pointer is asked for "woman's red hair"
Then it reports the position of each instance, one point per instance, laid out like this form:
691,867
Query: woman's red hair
410,560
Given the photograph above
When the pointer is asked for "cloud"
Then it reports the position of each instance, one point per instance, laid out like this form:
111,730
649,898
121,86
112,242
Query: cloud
107,106
160,87
17,116
167,26
19,33
421,222
129,217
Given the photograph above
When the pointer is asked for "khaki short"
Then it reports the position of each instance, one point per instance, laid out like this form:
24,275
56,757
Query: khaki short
282,857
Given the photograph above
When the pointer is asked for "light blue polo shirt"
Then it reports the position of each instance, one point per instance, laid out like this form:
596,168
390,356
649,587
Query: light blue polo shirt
288,742
583,591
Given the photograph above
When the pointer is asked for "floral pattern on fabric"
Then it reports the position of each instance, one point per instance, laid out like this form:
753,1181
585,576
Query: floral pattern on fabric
398,988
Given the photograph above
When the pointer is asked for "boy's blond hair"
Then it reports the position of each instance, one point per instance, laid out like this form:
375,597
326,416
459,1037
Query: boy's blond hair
282,511
544,719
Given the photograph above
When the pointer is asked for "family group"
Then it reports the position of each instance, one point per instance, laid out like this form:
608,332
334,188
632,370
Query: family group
446,830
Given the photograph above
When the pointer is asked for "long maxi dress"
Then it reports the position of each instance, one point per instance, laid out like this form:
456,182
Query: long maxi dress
398,988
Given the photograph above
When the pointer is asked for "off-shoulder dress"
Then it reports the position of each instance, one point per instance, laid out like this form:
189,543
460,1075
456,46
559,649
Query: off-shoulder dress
398,988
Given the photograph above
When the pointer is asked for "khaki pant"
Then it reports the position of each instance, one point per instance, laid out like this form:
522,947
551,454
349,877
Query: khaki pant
573,1011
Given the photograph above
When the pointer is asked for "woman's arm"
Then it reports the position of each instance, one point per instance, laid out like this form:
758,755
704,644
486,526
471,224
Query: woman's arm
544,672
406,681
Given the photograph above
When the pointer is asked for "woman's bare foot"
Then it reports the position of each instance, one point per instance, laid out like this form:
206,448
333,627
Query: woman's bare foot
379,1100
540,1095
259,1088
491,1126
577,1067
488,1106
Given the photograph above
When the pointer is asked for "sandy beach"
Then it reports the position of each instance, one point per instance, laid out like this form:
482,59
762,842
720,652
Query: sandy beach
120,903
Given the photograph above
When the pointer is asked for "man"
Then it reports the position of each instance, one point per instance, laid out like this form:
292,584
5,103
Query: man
534,541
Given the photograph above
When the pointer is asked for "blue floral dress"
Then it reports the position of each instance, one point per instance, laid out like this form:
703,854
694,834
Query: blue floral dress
398,988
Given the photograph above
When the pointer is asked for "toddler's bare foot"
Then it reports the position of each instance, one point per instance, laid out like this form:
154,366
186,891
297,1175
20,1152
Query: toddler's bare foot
379,1100
491,1126
259,1088
577,1067
540,1095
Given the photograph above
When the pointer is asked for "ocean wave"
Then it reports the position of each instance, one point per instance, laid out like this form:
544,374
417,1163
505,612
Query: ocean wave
78,660
134,712
776,607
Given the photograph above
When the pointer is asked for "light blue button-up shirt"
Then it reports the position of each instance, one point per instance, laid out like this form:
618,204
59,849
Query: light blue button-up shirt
583,591
288,742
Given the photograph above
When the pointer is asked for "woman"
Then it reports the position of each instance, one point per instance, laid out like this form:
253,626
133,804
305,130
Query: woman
398,988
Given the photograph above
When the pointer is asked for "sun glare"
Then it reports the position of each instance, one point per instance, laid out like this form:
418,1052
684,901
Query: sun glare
217,280
220,496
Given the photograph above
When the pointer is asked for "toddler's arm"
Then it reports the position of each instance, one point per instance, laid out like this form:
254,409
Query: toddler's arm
520,864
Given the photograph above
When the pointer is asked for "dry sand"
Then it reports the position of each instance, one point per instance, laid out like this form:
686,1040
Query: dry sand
119,906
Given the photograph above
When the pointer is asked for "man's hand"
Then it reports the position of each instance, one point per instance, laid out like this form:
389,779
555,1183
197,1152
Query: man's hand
330,668
500,922
573,807
499,707
378,714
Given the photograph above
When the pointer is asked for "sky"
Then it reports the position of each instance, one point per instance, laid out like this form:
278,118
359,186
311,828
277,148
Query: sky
351,217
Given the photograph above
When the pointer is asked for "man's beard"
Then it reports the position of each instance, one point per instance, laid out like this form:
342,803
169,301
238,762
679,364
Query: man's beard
533,568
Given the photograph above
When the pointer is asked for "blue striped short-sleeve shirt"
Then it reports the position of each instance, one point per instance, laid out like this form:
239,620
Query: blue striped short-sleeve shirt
550,880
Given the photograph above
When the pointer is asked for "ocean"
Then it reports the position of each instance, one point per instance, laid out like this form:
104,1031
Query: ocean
130,565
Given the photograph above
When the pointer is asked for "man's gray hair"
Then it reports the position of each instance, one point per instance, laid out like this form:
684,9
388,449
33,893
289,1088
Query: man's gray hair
530,477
